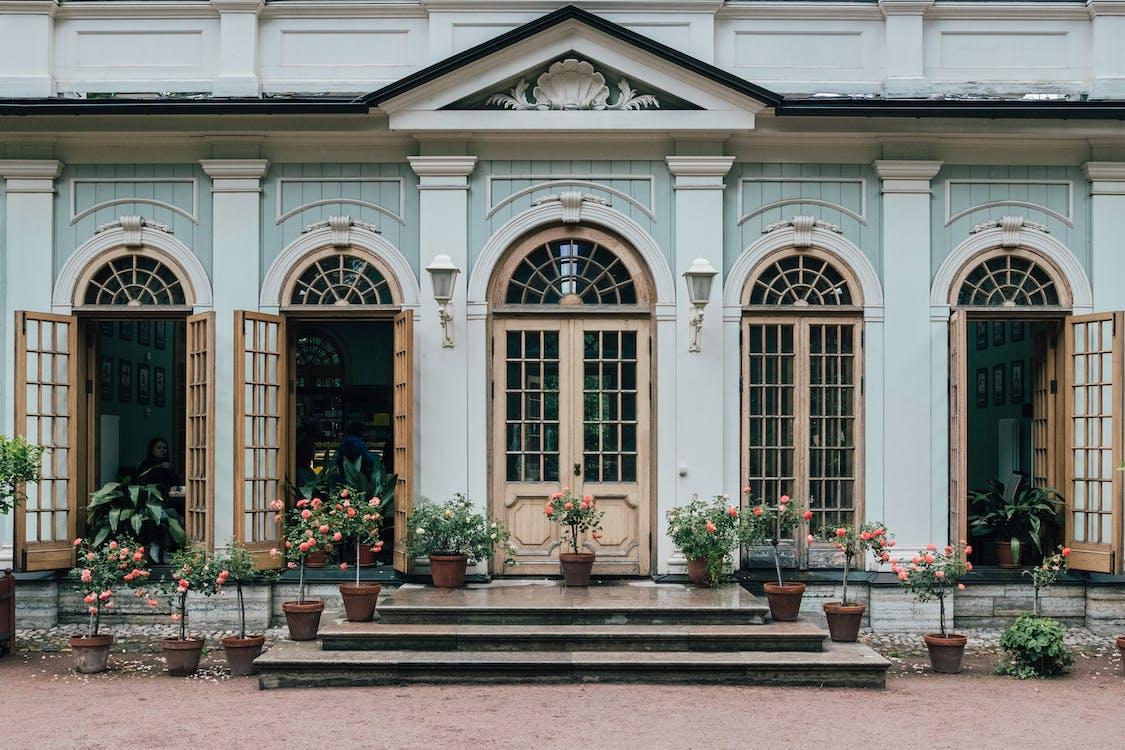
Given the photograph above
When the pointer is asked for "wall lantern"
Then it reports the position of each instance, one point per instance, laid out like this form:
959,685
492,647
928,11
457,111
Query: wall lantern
699,277
443,276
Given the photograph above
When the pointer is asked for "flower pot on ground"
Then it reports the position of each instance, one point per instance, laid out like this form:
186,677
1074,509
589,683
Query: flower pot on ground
100,571
845,617
452,535
1121,648
316,560
303,619
707,532
931,575
241,653
771,522
241,650
784,600
353,515
193,569
182,655
577,517
308,533
1017,516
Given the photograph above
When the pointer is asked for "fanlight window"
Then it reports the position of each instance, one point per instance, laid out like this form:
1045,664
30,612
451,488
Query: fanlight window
571,271
133,281
1008,281
319,364
801,280
341,279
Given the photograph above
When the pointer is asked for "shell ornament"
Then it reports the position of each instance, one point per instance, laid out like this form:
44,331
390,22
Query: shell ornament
572,85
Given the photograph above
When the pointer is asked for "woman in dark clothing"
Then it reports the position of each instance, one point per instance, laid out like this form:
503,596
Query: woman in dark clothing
157,468
353,447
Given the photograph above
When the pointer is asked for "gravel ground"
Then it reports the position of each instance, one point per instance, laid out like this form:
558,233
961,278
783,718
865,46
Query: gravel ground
136,703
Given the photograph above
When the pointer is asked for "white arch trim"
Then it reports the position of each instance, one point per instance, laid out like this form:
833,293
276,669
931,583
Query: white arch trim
592,213
1054,252
360,239
161,245
823,239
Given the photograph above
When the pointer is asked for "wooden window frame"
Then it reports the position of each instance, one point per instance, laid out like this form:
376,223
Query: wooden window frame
402,421
199,423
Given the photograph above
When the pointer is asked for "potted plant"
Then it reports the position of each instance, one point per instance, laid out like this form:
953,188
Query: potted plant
307,533
579,517
193,569
772,522
19,465
1014,517
328,480
451,535
242,649
358,518
844,617
931,575
126,507
1035,646
1044,575
706,531
99,571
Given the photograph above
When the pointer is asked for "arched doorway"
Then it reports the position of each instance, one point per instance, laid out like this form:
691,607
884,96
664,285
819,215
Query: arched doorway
571,321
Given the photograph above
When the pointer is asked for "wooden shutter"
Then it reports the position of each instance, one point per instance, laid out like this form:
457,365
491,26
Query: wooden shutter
46,408
1045,432
199,462
958,431
259,443
1093,441
403,432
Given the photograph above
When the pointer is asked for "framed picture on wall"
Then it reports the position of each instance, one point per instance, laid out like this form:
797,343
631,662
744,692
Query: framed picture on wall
158,385
144,332
158,334
144,384
982,387
982,336
998,333
125,330
1017,382
1017,330
105,376
124,381
999,380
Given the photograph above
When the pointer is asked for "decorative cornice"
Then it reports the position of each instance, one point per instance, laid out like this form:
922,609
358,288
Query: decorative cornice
906,177
1007,11
1097,8
137,9
571,201
133,228
29,7
343,9
528,6
30,169
904,7
442,166
238,6
803,227
341,227
572,85
1010,229
785,10
699,166
1110,171
235,169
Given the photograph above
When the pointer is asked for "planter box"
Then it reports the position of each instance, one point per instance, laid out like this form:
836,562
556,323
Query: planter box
7,613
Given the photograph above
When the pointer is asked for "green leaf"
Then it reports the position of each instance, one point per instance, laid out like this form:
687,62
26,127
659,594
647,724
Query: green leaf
114,517
138,521
101,536
176,530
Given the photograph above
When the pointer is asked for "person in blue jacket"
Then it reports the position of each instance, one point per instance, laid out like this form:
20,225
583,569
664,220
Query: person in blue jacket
352,447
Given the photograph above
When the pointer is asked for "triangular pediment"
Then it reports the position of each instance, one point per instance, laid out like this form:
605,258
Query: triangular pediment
571,70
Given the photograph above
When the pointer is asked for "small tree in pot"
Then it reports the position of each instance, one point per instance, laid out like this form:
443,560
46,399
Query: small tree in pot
930,575
844,617
19,465
576,516
707,531
772,523
358,519
307,533
452,535
100,570
193,570
241,650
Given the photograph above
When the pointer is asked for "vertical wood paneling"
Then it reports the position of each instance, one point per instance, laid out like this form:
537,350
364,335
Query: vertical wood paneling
199,503
403,431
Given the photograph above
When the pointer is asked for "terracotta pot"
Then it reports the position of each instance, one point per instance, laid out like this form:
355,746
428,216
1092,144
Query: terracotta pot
303,619
448,571
90,652
946,651
844,620
241,653
315,560
1004,554
1121,648
359,601
785,600
182,657
697,571
367,558
576,567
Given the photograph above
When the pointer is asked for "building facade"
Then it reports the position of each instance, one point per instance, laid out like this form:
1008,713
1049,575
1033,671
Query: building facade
216,220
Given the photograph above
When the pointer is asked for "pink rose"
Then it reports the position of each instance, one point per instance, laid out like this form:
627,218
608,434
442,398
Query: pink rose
732,511
292,565
77,541
113,545
841,532
783,500
810,539
90,599
807,515
306,513
87,575
343,566
337,536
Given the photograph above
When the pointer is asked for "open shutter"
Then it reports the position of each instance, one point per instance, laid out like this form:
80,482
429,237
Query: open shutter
958,434
199,462
259,445
1045,432
403,432
46,407
1093,441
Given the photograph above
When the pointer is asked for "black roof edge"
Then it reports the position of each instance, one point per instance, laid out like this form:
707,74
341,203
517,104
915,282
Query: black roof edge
567,13
235,106
979,108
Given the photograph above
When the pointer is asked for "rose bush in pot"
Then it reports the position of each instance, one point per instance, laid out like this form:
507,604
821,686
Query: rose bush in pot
844,617
241,650
930,575
308,533
772,522
100,571
452,535
194,569
358,519
707,532
19,466
576,516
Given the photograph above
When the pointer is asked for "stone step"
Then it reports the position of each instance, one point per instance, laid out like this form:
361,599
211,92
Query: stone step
542,602
290,664
341,635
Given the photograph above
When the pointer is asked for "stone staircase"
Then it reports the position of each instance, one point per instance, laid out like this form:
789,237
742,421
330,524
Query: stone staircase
543,632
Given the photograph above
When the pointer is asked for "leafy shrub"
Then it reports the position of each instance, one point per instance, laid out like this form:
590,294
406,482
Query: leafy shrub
454,528
710,529
1034,648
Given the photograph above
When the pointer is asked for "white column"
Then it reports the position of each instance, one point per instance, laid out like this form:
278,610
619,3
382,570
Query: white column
915,505
238,47
1107,227
445,438
235,252
28,275
26,47
1107,29
903,44
692,437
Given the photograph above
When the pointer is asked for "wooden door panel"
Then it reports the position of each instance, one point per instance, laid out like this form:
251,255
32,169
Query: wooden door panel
199,461
958,428
403,426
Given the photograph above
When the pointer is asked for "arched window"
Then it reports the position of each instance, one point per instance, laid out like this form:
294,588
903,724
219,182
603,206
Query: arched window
1008,280
800,279
318,355
571,270
341,279
134,280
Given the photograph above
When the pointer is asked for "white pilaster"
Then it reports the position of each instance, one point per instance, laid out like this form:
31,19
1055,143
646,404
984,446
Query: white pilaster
904,47
692,436
452,453
1107,227
27,29
1107,28
236,249
915,504
28,275
238,47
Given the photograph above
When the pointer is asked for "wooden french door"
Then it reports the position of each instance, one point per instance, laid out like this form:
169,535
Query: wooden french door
199,461
959,390
571,406
403,424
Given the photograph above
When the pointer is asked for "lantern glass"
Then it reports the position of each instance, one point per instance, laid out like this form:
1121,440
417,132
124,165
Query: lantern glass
443,276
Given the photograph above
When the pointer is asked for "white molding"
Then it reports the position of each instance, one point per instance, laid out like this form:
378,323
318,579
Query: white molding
1050,250
1008,11
861,217
165,247
283,216
443,166
807,11
137,9
589,181
335,9
699,172
238,6
1107,171
1095,8
30,169
904,7
895,169
29,7
235,169
361,240
1067,219
76,216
